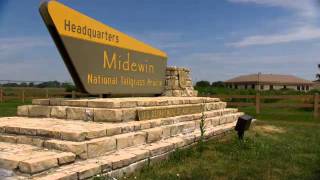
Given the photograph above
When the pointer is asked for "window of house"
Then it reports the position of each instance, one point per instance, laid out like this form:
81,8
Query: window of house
253,86
298,88
271,87
284,87
307,88
261,87
236,86
302,88
245,86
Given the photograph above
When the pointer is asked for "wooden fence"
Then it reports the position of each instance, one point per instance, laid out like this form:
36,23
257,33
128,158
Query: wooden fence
257,101
304,101
24,94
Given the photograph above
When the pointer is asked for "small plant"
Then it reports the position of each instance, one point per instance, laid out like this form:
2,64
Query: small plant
202,128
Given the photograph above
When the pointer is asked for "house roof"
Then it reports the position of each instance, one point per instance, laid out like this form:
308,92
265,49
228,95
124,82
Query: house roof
269,78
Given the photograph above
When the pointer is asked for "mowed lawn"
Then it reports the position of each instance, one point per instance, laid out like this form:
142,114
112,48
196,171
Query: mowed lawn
282,144
9,108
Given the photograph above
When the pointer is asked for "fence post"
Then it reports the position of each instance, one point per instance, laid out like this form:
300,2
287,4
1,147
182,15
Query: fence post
258,103
73,94
316,105
23,96
47,93
1,95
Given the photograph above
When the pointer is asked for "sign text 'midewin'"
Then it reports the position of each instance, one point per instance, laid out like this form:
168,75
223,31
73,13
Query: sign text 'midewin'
115,62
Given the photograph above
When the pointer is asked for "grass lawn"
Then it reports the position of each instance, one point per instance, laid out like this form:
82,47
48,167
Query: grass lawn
283,144
10,108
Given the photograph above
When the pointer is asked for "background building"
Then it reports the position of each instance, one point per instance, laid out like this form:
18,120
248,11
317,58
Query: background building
269,82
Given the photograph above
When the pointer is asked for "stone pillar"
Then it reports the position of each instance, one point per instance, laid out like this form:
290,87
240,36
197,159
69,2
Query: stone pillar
178,82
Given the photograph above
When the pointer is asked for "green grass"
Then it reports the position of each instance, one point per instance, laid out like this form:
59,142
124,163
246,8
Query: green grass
282,144
9,108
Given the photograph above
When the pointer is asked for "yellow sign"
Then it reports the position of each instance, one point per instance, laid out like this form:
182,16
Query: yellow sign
101,59
71,23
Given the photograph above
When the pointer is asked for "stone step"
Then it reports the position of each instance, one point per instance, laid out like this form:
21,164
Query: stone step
113,103
126,161
73,130
97,146
30,159
116,114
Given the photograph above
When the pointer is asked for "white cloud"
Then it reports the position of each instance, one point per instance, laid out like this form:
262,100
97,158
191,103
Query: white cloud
301,34
17,43
305,8
304,29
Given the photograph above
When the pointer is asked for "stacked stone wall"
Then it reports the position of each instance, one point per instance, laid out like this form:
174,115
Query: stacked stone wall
179,83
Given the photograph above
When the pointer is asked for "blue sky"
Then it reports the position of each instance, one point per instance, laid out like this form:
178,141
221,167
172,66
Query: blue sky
217,39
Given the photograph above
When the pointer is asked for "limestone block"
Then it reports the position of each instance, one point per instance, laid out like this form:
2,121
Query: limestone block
78,148
23,110
107,115
76,113
174,130
122,159
168,93
167,121
39,111
59,112
139,138
8,138
176,93
65,158
190,139
159,148
139,153
24,140
124,140
215,121
146,103
87,170
100,146
127,128
73,135
128,104
12,129
113,130
28,131
166,132
188,127
96,133
56,101
103,104
44,102
145,124
60,176
75,103
155,123
36,165
153,134
129,114
9,162
176,141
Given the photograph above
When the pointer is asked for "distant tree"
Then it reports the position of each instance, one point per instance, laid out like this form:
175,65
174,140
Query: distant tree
11,85
203,83
31,84
217,84
23,84
318,75
51,84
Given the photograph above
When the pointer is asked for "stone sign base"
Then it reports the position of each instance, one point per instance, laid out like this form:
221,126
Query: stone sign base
77,139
